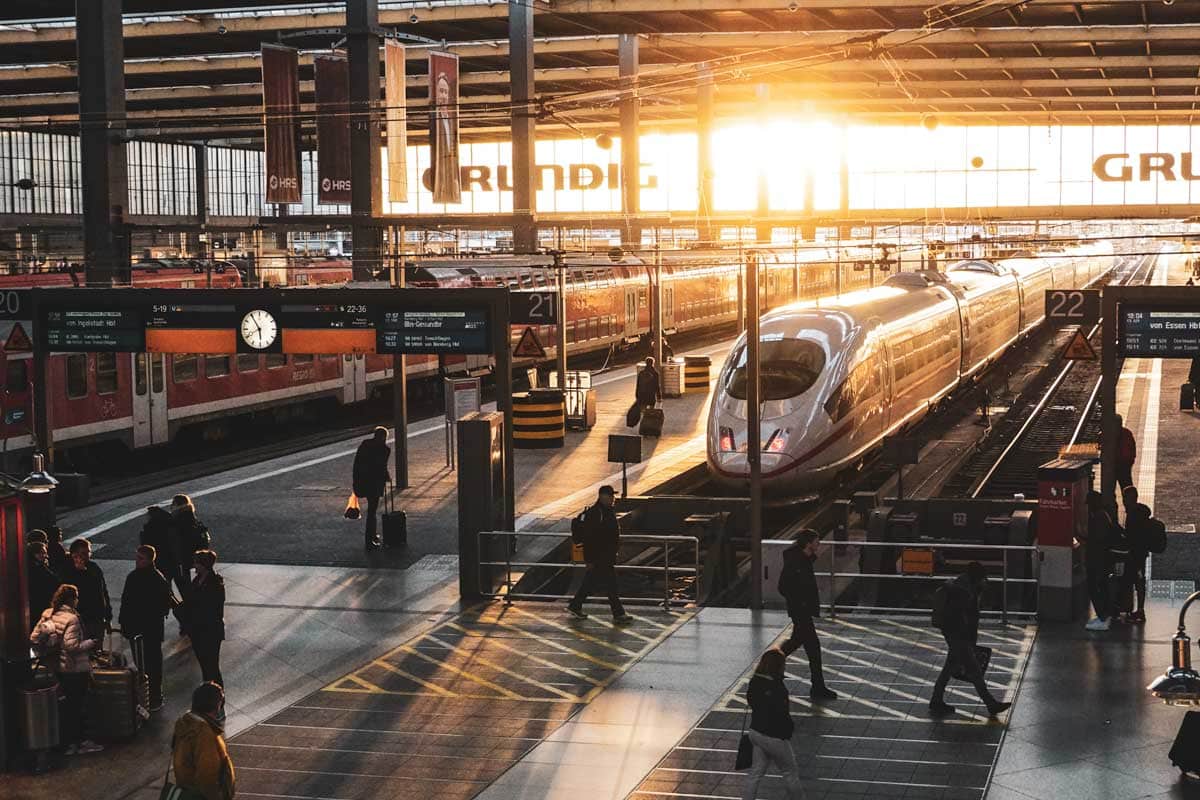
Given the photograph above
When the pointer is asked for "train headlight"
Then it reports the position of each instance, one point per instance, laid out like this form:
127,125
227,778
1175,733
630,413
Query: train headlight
726,439
776,442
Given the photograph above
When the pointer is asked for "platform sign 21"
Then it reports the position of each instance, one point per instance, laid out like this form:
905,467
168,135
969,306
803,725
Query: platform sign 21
1073,306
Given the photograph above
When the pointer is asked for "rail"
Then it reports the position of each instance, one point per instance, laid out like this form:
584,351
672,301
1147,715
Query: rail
666,569
833,574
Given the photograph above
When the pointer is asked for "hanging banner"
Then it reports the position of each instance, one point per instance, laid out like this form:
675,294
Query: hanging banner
397,121
332,75
281,107
443,127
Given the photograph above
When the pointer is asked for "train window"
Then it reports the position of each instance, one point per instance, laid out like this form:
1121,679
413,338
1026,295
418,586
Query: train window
329,357
594,328
527,280
247,362
139,374
157,375
106,373
571,331
16,376
275,360
216,366
789,368
77,375
297,360
183,367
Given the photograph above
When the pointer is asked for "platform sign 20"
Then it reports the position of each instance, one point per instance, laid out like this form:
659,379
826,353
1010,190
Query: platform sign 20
16,304
1073,306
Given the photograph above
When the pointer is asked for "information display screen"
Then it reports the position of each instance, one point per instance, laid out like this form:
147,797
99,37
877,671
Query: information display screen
95,330
328,328
1158,333
432,332
191,328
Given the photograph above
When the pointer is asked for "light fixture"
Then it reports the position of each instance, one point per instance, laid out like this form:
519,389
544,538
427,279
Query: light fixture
604,141
39,481
1180,684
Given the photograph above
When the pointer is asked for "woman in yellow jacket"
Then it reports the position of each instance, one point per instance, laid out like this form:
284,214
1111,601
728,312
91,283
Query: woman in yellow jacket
201,760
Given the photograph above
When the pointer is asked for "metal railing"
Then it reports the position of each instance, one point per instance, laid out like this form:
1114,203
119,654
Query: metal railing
832,574
665,568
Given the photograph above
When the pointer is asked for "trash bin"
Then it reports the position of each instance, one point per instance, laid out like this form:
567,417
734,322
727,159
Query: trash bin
39,714
673,377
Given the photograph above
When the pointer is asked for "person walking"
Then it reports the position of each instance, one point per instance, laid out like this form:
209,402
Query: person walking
41,579
198,752
771,726
960,628
1126,454
649,386
798,585
206,616
601,538
94,607
371,477
157,532
1137,534
1102,535
145,602
60,638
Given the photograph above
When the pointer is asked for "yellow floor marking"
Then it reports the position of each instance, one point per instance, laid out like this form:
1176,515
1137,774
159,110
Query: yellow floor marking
938,637
907,641
379,662
861,701
890,688
365,687
890,653
551,643
651,621
577,633
475,657
495,642
625,630
469,676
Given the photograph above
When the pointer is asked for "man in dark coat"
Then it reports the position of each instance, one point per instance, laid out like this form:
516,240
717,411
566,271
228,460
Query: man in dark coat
649,388
59,559
145,602
1102,536
601,535
371,478
95,608
157,533
1126,454
1137,525
960,629
798,585
42,581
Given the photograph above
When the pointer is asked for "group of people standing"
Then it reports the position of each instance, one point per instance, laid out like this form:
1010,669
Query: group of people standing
71,611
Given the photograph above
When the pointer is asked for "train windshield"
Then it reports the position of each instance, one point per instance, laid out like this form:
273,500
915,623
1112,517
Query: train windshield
789,368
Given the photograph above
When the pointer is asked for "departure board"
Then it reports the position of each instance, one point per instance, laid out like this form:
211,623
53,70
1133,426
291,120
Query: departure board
328,328
192,327
432,332
1158,333
97,330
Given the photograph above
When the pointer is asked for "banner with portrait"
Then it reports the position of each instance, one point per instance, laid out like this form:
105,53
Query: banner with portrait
281,122
332,77
443,128
396,103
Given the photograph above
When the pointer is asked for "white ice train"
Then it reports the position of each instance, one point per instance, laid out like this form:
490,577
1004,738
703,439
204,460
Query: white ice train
837,377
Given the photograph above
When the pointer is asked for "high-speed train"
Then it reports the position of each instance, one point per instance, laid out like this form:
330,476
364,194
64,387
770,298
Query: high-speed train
837,377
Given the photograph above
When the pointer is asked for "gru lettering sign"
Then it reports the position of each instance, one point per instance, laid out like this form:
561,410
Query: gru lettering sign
1124,167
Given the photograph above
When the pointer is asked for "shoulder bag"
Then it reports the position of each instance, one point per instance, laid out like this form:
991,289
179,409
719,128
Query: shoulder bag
745,753
173,791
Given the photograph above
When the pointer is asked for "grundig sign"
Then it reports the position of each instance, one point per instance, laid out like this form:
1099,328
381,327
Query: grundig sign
575,177
1119,167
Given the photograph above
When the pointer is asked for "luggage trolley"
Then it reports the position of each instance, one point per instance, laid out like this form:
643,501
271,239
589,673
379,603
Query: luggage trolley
580,399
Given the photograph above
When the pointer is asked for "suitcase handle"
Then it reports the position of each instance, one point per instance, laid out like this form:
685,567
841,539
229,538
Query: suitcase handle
389,503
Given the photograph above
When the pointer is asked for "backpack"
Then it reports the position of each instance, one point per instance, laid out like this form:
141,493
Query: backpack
201,538
579,526
48,645
937,612
1156,535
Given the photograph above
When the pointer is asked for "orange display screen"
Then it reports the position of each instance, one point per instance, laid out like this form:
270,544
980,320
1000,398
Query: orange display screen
329,341
214,341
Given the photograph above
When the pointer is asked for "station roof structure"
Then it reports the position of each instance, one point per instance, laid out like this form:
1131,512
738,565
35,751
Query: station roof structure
193,69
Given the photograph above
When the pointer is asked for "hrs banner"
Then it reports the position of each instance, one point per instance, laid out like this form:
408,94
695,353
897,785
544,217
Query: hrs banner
281,109
443,133
397,123
332,75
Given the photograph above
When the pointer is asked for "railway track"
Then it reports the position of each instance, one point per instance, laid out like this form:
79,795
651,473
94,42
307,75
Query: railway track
1057,410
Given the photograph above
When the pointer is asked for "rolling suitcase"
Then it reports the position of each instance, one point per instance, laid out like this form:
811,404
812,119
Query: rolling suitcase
394,523
1185,753
1187,397
652,422
1120,587
118,699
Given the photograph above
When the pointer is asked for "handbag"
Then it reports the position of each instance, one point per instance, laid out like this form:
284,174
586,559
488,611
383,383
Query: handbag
634,415
983,657
745,753
352,510
173,791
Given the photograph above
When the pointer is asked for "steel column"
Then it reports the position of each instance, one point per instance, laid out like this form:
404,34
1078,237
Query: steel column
524,126
627,70
1110,432
201,151
762,229
103,171
400,403
560,334
753,432
704,166
366,178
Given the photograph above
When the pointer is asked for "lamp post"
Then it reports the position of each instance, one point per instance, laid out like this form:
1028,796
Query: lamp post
1180,684
38,495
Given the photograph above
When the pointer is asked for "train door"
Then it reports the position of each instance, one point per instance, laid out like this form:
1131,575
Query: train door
668,307
149,399
631,312
354,378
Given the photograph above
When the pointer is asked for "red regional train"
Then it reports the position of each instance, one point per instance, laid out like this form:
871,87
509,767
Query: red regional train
145,399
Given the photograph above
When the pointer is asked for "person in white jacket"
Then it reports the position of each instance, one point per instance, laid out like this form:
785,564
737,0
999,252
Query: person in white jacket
59,640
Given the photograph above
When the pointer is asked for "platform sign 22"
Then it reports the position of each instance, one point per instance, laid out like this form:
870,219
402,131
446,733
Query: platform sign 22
1073,306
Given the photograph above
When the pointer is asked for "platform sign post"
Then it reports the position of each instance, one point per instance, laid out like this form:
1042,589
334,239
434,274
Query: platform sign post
658,315
753,433
560,335
400,402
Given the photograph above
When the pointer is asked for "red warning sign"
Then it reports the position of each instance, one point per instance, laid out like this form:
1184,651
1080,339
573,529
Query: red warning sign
529,346
1079,348
18,340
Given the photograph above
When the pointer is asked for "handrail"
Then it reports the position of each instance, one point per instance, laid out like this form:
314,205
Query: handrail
666,569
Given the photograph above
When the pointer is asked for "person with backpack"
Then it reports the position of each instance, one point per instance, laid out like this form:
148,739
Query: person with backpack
599,531
145,603
771,726
157,532
956,614
61,644
798,585
1146,535
1103,535
189,536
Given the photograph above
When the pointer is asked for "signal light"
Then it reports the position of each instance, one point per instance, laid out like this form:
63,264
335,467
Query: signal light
776,442
726,440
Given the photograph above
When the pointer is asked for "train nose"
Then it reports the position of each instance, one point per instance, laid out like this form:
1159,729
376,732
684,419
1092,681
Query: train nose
738,465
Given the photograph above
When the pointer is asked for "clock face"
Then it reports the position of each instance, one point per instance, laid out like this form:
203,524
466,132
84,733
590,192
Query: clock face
259,329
